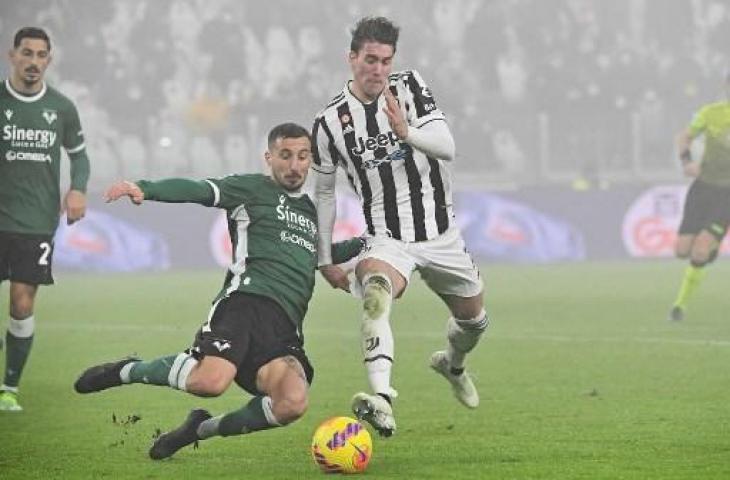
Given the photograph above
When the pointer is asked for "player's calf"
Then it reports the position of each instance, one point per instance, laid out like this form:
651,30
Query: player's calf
463,336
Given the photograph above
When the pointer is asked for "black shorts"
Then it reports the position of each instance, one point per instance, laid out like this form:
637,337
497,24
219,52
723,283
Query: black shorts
250,331
26,258
707,207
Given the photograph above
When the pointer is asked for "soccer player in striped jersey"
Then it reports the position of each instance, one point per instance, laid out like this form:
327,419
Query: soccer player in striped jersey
707,206
253,335
36,120
386,132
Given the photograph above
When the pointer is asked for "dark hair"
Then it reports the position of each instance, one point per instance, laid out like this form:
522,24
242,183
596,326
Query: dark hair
287,130
374,29
31,32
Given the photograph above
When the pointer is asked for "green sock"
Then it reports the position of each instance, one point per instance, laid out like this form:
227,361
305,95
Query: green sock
255,416
692,278
16,354
155,372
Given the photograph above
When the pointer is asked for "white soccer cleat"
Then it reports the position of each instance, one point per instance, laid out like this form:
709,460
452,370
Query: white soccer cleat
375,410
462,385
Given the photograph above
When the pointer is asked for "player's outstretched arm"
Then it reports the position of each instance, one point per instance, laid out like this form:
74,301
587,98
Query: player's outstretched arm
124,188
168,190
347,249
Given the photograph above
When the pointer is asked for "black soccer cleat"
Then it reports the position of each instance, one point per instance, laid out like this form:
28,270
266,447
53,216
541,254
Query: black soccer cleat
168,443
101,377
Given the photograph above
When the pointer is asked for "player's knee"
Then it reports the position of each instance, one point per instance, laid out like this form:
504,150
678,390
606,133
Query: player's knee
290,407
21,307
700,258
22,311
209,385
377,295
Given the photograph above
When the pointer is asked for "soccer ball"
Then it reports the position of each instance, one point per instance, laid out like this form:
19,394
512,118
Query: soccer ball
342,445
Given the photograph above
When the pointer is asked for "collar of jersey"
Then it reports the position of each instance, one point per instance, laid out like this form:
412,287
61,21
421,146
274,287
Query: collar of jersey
351,94
25,98
298,194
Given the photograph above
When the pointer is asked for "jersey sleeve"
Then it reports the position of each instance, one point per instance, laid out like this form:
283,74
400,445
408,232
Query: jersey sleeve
421,107
699,122
231,191
73,136
324,151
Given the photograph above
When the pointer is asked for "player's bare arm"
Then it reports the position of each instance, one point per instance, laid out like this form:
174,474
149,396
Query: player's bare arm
124,188
336,276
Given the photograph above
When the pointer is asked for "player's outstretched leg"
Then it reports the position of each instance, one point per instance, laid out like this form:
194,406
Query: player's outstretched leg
101,377
168,443
168,371
377,349
375,410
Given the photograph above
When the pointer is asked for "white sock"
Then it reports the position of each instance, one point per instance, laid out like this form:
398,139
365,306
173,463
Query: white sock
463,336
181,367
377,336
22,328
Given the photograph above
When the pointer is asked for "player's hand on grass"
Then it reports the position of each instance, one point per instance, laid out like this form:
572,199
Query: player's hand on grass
124,189
395,116
335,276
74,204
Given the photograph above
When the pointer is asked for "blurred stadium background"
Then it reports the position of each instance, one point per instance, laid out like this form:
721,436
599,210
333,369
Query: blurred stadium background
566,109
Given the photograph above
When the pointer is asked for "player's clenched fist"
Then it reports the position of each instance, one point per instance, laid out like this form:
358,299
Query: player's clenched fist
124,188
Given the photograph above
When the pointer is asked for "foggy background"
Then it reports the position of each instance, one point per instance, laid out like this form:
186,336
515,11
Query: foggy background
547,99
535,91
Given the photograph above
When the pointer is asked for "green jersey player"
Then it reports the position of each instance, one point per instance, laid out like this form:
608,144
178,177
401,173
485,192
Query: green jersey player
707,206
253,334
35,122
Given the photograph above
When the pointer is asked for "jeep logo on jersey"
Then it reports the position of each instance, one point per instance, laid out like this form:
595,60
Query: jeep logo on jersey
394,156
50,115
373,143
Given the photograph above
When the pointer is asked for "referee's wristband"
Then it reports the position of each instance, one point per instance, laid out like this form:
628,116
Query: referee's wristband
685,157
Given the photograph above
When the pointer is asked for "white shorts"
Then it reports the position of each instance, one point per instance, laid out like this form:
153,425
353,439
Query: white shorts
444,263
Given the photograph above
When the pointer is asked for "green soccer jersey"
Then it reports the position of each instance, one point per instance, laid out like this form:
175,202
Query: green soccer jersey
32,131
273,235
714,122
274,238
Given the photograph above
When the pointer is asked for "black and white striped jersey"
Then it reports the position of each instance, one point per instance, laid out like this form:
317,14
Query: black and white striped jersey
404,193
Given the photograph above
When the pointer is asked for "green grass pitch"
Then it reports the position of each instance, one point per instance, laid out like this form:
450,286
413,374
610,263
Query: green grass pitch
580,374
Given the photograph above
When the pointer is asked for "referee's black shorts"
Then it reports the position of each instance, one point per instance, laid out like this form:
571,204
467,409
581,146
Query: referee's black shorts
707,207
